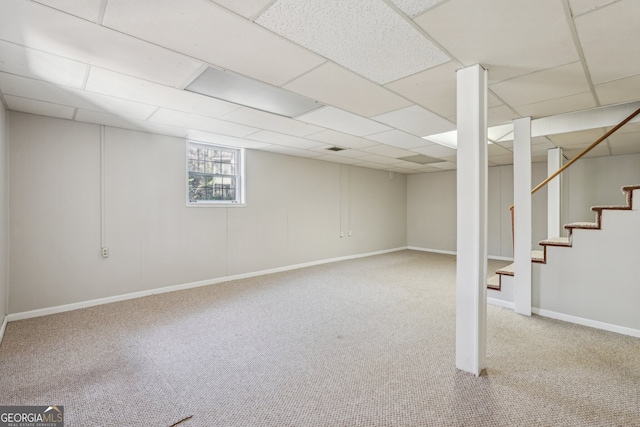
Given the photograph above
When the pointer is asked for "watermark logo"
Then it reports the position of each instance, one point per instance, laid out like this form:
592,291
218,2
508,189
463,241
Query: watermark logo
31,416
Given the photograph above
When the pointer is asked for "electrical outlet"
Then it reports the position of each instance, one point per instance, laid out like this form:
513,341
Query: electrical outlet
105,252
342,234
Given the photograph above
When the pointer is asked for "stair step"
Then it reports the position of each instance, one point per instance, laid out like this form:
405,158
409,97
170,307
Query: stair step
610,208
537,256
494,282
582,225
507,270
556,241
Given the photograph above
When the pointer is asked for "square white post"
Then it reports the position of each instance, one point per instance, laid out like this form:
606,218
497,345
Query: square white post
471,279
554,194
522,222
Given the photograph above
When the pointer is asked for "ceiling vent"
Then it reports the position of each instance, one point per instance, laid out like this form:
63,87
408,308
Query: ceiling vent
336,149
420,159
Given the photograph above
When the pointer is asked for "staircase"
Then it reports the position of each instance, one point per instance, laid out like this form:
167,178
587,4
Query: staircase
593,273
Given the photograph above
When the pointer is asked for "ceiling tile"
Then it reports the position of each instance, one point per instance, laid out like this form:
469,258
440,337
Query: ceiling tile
507,37
413,8
496,150
399,139
374,158
541,149
195,122
444,165
341,139
503,160
290,151
632,127
371,165
434,89
344,153
127,87
32,63
85,9
580,101
247,8
582,138
49,30
342,121
367,37
435,150
189,26
387,151
331,84
609,39
44,91
619,91
500,115
580,7
628,143
41,108
226,140
596,152
99,118
337,159
250,117
416,120
558,82
286,140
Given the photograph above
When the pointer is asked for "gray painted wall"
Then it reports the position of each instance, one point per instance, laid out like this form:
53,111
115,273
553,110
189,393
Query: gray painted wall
296,208
4,205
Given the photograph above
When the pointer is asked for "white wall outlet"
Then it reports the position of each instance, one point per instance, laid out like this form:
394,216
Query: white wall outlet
342,234
105,252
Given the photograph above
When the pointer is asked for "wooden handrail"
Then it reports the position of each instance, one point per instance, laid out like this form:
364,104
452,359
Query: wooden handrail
572,161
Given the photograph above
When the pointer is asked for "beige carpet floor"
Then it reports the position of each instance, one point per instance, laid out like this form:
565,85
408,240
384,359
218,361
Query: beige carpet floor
365,342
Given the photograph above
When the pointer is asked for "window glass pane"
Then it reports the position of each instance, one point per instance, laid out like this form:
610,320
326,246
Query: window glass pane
212,173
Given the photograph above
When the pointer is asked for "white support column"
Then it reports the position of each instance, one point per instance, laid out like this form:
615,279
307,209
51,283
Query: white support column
471,282
554,194
522,204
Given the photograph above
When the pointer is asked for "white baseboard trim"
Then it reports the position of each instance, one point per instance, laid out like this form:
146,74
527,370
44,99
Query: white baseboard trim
586,322
2,328
435,251
500,303
440,251
91,303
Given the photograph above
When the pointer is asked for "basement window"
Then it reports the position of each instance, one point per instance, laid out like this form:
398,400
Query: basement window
215,175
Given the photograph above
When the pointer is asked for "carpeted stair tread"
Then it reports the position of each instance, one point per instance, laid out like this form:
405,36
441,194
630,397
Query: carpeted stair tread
556,241
494,282
610,207
507,270
582,225
537,256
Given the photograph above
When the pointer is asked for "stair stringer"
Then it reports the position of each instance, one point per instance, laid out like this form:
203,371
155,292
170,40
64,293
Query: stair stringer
597,278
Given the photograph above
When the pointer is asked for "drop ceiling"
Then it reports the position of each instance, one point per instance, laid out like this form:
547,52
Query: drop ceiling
382,72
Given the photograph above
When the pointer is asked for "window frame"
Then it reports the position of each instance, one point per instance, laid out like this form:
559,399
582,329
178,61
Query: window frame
239,200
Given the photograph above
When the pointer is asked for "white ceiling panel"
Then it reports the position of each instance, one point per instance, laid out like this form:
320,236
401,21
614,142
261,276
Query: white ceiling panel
399,139
32,63
502,160
413,8
435,150
90,10
627,143
558,82
385,150
618,91
374,158
342,121
444,165
507,37
106,119
434,89
195,122
599,151
582,138
44,91
365,36
416,120
121,86
42,108
286,140
609,39
272,122
496,150
500,115
290,151
342,139
331,84
226,140
49,30
347,152
196,27
580,7
247,8
580,101
372,165
338,159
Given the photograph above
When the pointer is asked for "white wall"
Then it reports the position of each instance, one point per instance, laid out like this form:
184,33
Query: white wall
431,210
4,206
296,208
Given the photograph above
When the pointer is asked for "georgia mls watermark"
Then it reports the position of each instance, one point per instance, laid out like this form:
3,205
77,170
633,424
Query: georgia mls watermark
31,416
